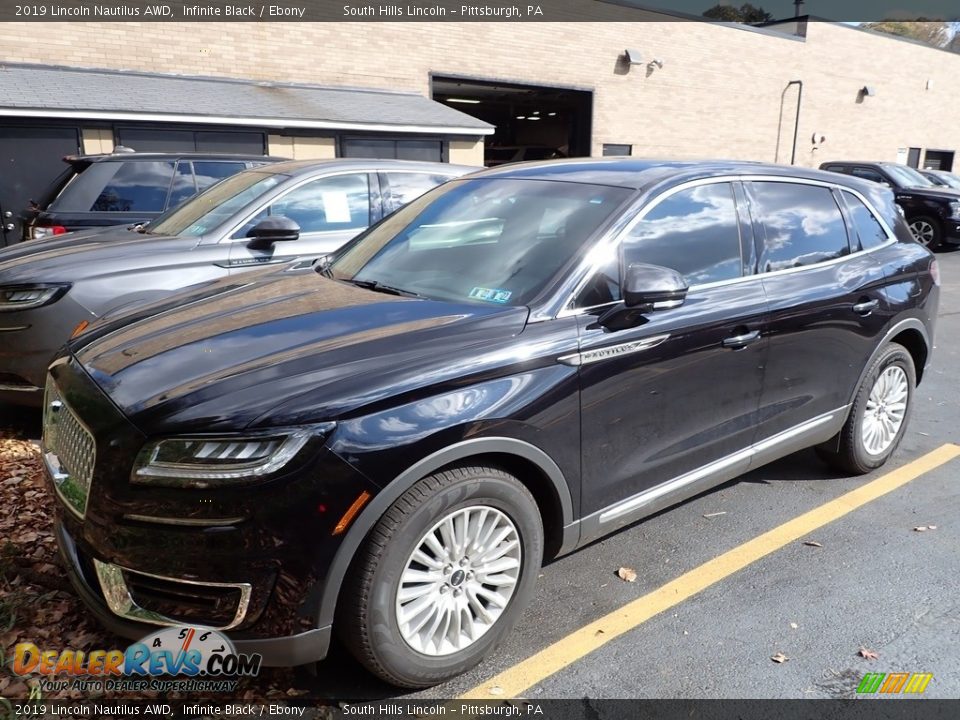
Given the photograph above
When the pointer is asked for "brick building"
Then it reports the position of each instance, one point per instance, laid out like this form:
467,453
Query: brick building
684,89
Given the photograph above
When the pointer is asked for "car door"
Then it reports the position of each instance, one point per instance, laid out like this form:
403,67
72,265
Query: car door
330,210
825,304
669,405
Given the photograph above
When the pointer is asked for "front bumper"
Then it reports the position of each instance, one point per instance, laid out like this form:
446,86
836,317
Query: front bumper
251,561
299,649
28,341
951,231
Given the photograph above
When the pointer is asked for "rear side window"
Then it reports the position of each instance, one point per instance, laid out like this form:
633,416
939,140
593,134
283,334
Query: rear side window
118,187
210,171
401,188
184,186
802,225
869,229
695,232
868,174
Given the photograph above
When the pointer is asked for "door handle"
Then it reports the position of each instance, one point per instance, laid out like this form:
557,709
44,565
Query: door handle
865,307
736,342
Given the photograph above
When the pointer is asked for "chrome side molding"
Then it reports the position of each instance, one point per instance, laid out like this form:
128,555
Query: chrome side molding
611,351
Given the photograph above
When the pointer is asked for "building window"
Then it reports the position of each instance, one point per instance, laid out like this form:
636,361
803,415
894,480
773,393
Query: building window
614,150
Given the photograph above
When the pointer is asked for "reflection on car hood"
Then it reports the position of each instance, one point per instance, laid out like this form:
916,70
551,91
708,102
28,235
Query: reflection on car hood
279,348
64,258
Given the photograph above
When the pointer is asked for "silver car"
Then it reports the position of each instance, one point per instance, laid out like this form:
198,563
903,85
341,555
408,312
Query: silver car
279,213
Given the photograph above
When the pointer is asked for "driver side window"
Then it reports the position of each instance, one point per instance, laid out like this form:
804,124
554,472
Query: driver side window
694,231
341,202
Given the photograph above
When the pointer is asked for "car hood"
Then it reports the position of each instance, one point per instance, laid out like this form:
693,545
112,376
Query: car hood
282,348
941,193
64,258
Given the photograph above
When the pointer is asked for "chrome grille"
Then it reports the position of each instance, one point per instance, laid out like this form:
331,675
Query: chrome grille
69,451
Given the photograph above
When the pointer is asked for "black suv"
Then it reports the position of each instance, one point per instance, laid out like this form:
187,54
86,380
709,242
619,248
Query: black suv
932,211
125,188
511,366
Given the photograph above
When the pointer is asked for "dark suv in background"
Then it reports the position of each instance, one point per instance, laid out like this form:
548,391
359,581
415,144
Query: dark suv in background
125,188
932,211
513,365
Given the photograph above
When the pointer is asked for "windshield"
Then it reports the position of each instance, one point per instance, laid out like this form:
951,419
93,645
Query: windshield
213,207
489,240
907,176
950,179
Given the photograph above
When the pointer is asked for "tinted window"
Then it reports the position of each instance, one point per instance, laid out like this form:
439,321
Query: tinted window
403,187
869,229
341,202
210,171
431,150
118,187
484,240
695,232
802,224
868,174
183,184
212,208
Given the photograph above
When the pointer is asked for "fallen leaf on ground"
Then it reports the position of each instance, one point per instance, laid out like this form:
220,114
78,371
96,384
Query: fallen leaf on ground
496,690
794,626
813,543
868,654
599,632
921,528
627,574
779,658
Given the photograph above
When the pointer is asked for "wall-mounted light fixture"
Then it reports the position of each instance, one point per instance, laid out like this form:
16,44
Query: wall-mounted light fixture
655,63
633,57
868,91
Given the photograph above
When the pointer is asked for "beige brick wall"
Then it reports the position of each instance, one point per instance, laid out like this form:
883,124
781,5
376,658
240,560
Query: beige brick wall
97,140
301,148
718,93
466,152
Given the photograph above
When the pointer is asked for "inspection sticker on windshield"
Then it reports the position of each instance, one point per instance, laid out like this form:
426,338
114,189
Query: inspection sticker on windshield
490,294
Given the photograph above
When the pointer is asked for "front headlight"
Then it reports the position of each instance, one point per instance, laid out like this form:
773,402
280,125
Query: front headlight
955,209
27,297
205,461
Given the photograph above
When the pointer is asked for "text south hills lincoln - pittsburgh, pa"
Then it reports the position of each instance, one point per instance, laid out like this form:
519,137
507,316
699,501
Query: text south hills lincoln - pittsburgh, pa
505,12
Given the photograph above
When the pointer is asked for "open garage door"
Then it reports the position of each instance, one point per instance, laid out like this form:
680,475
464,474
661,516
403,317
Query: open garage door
532,122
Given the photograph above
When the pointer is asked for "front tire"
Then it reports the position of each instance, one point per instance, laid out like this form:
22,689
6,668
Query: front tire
926,231
879,415
443,577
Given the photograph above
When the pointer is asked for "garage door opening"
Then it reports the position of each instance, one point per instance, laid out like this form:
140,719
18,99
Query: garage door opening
532,122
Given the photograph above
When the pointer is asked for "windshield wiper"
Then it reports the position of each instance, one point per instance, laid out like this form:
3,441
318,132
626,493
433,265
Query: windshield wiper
377,286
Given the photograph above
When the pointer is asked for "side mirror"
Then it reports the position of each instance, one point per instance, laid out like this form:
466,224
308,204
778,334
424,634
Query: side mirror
645,288
273,229
653,286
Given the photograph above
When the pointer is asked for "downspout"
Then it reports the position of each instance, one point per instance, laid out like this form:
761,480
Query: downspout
796,122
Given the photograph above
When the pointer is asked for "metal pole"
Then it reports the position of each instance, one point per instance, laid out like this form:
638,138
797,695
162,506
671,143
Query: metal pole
796,122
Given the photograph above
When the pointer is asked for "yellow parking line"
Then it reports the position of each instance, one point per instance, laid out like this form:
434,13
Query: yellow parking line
580,643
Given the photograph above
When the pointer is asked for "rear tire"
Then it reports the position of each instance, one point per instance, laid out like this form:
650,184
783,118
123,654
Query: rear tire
443,577
879,415
926,231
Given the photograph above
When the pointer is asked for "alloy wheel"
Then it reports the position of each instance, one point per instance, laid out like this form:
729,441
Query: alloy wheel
458,580
885,410
923,232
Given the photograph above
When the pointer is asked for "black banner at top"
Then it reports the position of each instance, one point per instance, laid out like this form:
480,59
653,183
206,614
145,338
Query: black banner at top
461,11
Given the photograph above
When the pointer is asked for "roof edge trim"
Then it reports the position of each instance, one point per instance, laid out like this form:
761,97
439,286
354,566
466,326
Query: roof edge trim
273,123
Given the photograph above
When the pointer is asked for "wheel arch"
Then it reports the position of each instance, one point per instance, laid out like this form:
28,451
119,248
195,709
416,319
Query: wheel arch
531,465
